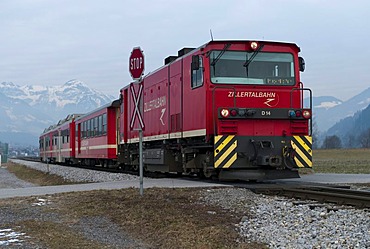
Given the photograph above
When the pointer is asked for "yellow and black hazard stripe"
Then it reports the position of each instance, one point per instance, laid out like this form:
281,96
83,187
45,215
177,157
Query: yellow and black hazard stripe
225,151
302,146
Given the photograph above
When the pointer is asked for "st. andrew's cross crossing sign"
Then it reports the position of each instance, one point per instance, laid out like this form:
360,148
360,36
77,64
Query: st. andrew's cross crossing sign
136,63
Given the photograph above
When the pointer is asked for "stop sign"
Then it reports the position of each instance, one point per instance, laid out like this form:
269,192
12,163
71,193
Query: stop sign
136,63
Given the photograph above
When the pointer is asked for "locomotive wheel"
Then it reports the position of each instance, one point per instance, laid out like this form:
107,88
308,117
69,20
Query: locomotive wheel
135,168
207,174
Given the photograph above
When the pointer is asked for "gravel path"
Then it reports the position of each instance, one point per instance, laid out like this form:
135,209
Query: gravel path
8,180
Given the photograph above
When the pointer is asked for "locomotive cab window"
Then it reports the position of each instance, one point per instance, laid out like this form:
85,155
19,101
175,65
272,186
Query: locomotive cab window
196,71
236,67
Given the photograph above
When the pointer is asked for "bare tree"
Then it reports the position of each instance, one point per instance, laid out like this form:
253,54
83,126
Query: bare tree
351,141
364,139
315,134
332,142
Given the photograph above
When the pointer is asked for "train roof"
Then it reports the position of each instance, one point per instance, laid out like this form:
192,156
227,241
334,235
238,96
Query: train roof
68,119
114,103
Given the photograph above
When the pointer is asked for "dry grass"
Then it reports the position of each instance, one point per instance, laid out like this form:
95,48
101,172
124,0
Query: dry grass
162,218
56,235
35,176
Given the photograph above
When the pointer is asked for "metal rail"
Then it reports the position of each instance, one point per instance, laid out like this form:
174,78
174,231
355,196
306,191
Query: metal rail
340,196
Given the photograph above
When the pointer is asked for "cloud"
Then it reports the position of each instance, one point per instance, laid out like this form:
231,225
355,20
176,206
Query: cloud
50,42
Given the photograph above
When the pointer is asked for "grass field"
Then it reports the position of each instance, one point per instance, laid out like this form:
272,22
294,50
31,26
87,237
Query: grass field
344,161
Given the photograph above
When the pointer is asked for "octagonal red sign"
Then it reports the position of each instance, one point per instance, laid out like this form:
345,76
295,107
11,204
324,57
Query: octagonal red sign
136,63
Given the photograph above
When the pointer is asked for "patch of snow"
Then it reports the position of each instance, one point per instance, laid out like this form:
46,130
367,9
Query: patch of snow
62,103
8,236
328,105
41,202
365,102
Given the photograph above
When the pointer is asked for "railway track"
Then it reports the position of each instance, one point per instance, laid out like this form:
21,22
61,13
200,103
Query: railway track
325,194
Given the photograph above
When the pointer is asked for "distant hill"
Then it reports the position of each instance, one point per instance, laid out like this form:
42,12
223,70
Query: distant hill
27,110
352,129
328,110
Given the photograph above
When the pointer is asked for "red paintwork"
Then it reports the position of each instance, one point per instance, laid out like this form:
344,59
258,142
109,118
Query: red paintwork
58,151
103,146
188,111
172,109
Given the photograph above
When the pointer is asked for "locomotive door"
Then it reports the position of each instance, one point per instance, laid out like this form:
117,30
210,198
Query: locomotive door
175,99
44,149
59,146
118,127
79,138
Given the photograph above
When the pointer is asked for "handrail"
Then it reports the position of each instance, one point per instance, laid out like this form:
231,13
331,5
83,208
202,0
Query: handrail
213,104
302,98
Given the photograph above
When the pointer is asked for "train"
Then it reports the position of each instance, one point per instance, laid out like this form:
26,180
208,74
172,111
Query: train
229,109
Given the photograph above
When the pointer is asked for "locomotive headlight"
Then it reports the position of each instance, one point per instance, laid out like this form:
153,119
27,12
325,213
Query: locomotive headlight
254,45
291,113
225,113
306,114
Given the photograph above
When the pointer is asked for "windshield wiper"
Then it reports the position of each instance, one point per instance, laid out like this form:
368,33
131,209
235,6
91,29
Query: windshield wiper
246,64
220,54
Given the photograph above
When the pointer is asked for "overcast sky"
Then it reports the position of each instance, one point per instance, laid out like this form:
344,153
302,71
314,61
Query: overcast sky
48,42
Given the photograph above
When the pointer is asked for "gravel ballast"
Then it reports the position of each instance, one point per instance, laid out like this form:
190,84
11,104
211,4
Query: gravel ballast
76,174
285,223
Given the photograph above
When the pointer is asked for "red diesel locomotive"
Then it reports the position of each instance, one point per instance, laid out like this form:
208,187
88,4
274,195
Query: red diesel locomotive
229,109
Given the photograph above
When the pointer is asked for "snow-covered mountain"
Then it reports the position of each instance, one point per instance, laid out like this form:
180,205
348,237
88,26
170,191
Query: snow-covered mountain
30,109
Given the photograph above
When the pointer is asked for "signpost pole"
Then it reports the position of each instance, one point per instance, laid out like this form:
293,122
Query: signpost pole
141,161
136,68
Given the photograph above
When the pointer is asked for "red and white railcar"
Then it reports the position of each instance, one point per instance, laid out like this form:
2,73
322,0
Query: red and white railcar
57,142
96,136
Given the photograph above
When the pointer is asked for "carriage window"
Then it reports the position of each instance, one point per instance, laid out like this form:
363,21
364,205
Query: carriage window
100,125
104,123
88,128
95,125
235,67
83,129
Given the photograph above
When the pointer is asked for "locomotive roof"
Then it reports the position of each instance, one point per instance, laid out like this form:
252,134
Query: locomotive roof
245,41
193,50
